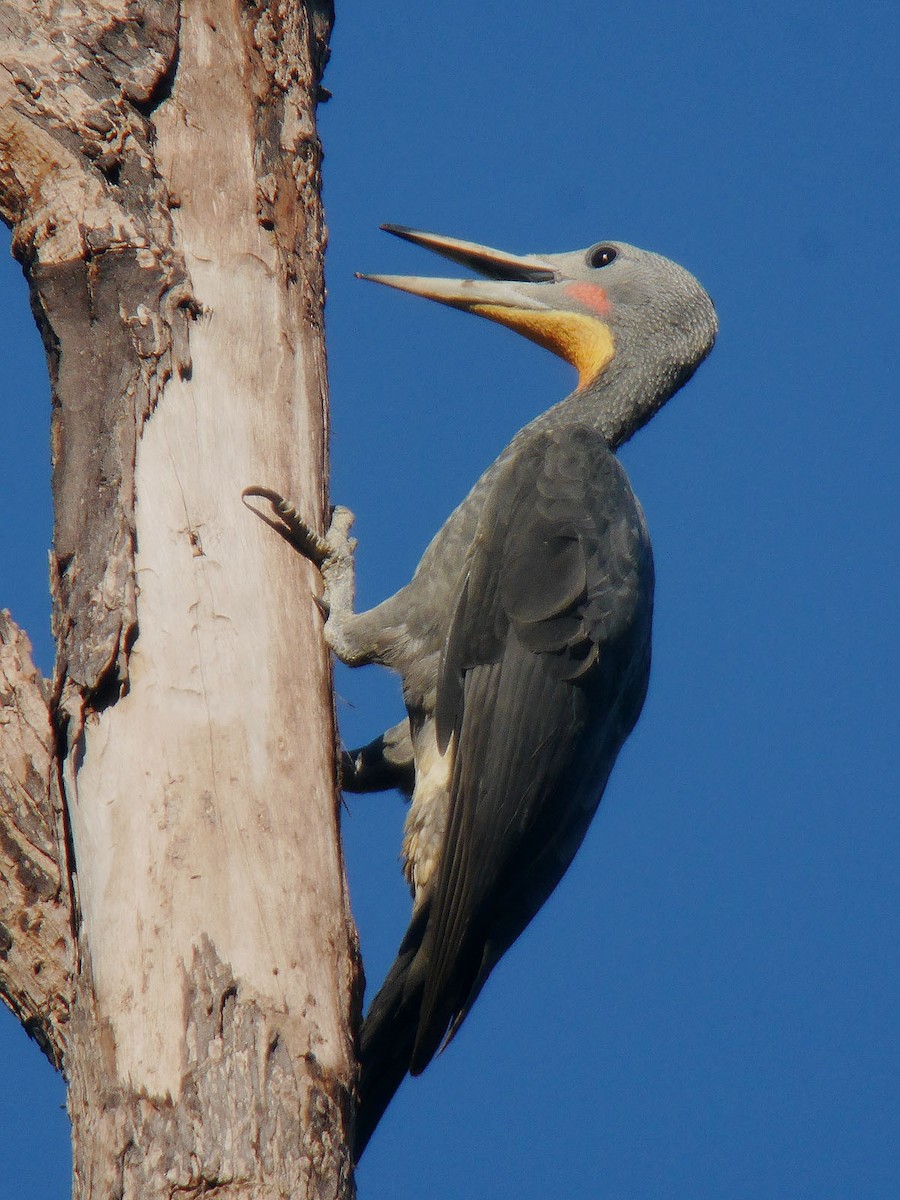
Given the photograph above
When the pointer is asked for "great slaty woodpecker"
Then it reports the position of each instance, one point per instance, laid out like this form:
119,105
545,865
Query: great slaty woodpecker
523,638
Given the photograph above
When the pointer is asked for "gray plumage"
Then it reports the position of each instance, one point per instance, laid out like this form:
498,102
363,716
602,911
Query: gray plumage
523,639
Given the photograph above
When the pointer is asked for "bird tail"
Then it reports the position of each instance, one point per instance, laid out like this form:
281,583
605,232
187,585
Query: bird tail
389,1033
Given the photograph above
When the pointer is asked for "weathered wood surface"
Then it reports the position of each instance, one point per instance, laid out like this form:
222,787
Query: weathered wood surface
160,169
35,913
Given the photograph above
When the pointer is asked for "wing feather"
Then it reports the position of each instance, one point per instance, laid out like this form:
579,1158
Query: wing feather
544,673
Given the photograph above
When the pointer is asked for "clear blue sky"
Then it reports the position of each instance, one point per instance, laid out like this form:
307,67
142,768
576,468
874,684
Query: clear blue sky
707,1008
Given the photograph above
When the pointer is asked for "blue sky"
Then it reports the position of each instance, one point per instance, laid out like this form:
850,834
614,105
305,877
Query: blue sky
707,1006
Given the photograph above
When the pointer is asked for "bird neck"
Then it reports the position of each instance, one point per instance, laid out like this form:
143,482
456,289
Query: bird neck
616,405
633,388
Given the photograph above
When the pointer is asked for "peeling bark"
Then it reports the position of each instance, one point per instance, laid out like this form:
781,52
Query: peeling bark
240,1125
35,920
160,166
92,229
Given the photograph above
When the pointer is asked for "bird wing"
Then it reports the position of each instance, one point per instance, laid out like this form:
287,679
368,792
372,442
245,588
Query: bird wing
544,673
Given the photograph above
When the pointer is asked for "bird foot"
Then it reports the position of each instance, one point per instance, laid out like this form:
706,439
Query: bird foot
385,763
332,554
289,524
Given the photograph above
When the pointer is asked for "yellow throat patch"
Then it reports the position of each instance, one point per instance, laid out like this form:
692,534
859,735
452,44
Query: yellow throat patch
585,342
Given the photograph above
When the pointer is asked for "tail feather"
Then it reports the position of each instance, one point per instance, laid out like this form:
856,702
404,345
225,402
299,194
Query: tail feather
389,1033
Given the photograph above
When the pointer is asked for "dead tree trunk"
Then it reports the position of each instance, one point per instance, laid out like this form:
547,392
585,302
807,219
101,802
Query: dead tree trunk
174,925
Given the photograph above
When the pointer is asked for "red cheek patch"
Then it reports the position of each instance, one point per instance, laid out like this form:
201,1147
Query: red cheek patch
590,295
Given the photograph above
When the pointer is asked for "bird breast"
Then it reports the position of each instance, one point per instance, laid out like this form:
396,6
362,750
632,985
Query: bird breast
423,832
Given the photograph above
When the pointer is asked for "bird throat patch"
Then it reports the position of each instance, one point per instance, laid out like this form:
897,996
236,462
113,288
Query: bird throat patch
586,342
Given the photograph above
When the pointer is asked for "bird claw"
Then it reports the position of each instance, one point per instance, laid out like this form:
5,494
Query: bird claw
322,605
332,554
289,524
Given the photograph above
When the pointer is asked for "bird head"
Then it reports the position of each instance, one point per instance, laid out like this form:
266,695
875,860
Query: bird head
618,314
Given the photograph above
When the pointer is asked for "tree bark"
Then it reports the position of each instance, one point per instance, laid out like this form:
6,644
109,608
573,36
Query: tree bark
35,914
170,847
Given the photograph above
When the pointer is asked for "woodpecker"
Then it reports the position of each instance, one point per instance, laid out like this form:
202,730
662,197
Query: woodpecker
523,638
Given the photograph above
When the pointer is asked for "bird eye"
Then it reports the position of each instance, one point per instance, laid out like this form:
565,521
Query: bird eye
602,256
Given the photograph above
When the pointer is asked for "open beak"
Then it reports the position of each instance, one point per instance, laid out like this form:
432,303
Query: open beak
493,264
525,293
514,277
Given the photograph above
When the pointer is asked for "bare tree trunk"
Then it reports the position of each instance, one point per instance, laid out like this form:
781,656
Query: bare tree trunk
174,923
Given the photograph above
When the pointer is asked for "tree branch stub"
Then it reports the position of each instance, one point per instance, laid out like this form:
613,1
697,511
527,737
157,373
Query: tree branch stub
35,915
